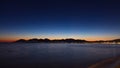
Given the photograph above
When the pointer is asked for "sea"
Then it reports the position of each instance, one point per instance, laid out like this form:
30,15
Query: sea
55,55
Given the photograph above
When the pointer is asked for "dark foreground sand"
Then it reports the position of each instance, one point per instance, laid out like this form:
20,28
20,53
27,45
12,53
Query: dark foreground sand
108,63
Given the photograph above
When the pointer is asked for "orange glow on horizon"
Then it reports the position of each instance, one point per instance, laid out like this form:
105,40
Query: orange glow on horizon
13,37
52,38
7,40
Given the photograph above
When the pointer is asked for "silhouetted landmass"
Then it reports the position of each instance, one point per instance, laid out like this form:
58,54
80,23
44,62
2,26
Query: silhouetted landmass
21,41
100,41
108,41
68,40
115,40
46,40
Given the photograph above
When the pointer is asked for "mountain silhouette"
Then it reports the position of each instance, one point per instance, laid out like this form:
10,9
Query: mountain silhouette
68,40
46,40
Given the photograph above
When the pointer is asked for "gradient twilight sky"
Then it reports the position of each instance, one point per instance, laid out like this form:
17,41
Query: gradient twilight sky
56,19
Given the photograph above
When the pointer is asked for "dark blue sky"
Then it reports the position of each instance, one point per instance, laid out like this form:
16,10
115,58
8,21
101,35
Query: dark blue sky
83,19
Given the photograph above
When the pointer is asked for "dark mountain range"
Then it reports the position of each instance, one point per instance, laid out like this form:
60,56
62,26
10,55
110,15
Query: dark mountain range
68,40
46,40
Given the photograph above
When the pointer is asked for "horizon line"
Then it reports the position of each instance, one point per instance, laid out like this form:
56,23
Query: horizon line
53,39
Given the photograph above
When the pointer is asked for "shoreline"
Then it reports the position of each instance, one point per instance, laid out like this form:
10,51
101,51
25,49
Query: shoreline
107,63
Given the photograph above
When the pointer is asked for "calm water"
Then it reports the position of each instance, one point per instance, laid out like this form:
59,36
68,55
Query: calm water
36,55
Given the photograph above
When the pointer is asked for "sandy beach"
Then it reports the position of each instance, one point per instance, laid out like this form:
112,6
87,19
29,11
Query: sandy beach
108,63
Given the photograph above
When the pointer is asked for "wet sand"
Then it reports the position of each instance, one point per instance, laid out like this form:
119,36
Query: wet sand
107,63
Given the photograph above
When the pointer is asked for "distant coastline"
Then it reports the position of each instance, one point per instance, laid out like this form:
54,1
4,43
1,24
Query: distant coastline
68,40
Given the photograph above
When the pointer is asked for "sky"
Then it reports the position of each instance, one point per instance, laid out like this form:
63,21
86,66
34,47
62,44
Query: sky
56,19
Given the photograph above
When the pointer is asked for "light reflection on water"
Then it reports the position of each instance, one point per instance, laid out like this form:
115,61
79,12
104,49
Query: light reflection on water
56,55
